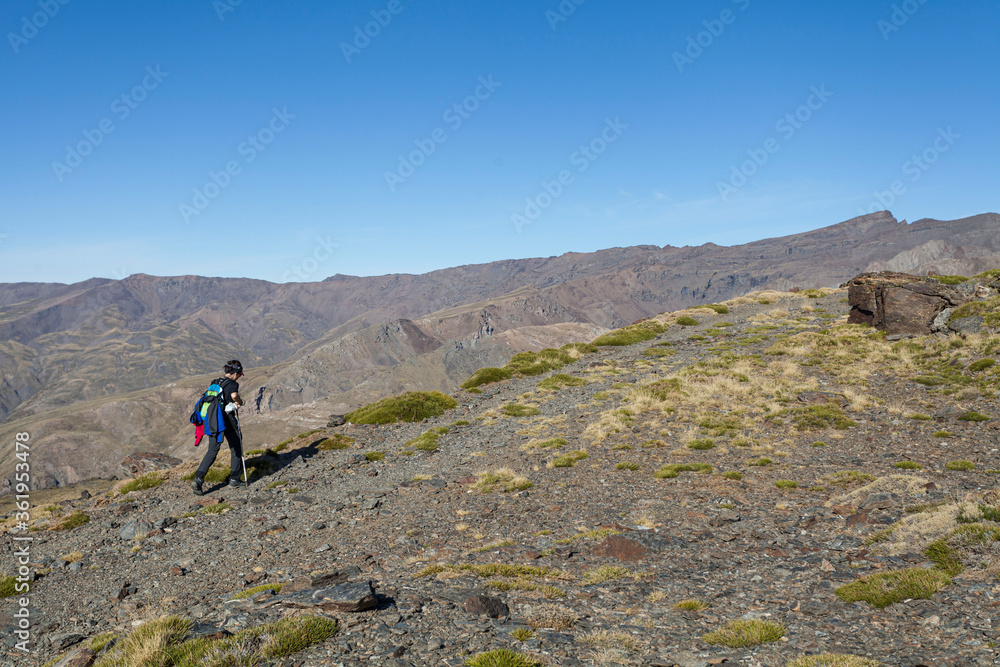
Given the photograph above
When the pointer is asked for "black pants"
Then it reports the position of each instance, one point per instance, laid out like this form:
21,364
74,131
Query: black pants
235,453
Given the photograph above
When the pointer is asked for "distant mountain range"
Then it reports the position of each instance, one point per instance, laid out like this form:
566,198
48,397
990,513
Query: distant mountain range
103,368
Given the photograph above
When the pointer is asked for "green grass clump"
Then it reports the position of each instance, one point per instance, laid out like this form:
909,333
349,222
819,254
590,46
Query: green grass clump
150,480
593,535
733,474
819,443
99,642
487,376
786,484
814,417
738,634
8,587
721,309
660,352
942,434
833,660
336,441
989,309
672,470
413,406
687,321
529,364
627,465
630,335
921,417
532,364
560,380
502,658
761,462
161,642
250,592
951,280
607,573
946,558
701,445
74,520
425,442
514,410
375,456
552,443
845,478
981,365
501,480
275,485
882,590
974,417
691,605
959,465
908,465
568,460
217,508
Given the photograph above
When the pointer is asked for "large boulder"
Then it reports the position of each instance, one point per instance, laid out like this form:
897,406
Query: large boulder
900,303
141,463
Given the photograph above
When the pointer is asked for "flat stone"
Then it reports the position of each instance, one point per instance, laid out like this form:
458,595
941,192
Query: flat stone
81,657
484,605
620,548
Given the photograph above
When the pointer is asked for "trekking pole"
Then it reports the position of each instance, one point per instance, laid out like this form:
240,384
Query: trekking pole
239,431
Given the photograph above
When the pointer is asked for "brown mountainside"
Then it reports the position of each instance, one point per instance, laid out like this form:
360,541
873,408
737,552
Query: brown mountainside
72,350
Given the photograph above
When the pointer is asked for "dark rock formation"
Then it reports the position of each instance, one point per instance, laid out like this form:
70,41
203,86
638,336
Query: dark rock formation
141,463
900,303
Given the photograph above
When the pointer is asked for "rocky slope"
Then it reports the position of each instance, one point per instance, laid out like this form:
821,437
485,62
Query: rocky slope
103,366
748,463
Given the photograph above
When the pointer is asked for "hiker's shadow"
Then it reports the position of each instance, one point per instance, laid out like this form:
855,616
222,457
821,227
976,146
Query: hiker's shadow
270,462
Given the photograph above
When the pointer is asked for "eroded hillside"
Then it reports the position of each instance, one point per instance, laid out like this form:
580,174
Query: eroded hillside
754,483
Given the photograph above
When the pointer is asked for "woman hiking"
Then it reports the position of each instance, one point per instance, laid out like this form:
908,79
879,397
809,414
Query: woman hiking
229,401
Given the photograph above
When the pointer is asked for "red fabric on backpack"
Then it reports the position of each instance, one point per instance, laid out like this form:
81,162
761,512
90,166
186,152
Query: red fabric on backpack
199,433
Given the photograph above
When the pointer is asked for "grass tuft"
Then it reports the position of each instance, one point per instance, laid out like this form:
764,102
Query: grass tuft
74,520
501,658
959,465
738,634
412,406
150,480
515,410
672,470
691,605
503,480
334,442
833,660
884,589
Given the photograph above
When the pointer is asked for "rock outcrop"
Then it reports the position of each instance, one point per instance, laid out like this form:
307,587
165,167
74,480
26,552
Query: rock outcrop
900,303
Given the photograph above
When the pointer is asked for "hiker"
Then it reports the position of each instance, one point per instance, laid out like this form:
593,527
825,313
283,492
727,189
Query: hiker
229,401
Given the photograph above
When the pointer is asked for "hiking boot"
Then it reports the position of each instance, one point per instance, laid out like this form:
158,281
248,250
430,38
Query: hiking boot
236,482
196,486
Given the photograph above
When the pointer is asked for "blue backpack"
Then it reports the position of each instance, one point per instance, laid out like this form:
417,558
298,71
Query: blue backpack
208,413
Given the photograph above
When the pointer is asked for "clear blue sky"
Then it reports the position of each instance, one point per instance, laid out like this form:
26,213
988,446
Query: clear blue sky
664,131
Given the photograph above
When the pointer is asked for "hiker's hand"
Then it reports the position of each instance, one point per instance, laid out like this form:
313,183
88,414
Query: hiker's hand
232,407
